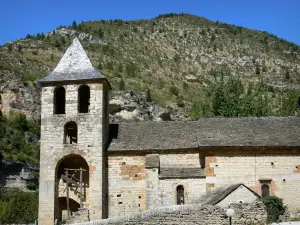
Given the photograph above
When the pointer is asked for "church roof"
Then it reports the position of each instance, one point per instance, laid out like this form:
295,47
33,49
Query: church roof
206,132
74,65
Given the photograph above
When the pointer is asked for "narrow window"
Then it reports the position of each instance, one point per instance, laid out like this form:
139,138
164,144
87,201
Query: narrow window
70,133
180,195
265,190
202,161
59,100
83,99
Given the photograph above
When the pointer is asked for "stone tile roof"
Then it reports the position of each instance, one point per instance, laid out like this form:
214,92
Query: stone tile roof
219,194
74,65
214,132
178,172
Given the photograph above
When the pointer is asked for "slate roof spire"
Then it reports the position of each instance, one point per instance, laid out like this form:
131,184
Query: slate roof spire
74,65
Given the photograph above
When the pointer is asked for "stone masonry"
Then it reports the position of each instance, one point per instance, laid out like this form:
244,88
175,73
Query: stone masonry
253,213
92,136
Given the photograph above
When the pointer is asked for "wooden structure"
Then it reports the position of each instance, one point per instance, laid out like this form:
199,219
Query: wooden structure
71,179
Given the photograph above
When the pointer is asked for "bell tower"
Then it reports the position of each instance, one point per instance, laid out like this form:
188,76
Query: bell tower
74,134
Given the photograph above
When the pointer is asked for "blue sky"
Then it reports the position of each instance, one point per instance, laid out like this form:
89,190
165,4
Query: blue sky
20,17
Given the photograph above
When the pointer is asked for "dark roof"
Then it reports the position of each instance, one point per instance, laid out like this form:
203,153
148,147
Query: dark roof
221,193
177,172
74,65
214,132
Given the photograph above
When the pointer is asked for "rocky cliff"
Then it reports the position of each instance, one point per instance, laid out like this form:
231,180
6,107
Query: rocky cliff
173,56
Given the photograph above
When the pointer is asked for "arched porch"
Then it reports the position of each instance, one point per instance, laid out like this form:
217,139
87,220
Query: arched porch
71,186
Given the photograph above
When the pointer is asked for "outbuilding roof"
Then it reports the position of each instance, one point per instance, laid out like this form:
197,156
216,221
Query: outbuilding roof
221,193
74,65
213,132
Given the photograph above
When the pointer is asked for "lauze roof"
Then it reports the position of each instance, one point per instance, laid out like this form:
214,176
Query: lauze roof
74,65
214,132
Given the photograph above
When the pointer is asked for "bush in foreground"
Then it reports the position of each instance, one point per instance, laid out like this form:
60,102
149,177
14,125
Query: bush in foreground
17,206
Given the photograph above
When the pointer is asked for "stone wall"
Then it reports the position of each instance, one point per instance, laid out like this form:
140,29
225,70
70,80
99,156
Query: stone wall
193,189
280,172
150,189
189,166
254,213
90,144
127,185
135,187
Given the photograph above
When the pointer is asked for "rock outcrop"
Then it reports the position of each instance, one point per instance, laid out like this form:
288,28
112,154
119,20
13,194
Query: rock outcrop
18,175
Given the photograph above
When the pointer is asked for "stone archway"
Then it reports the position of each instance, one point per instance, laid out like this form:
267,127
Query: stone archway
71,186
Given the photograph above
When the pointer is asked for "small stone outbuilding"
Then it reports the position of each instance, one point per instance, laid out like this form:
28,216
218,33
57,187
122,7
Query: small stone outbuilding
233,194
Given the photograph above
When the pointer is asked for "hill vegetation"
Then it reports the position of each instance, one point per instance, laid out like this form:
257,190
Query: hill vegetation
180,61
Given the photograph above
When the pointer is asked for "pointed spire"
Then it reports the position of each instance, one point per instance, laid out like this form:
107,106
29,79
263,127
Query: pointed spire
74,65
74,60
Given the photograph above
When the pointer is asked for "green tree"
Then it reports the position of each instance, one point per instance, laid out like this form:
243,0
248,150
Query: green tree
18,207
109,66
174,90
257,70
287,75
131,69
9,47
274,207
19,48
122,85
148,96
52,57
100,67
120,68
100,33
74,24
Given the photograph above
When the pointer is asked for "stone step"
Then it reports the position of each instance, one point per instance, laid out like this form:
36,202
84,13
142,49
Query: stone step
82,215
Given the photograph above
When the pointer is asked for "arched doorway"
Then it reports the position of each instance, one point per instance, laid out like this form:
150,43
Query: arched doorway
180,195
72,186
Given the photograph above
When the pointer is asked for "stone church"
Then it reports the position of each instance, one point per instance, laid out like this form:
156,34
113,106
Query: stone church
111,170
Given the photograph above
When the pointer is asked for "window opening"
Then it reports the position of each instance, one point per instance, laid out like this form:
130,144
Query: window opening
70,133
180,195
59,100
83,99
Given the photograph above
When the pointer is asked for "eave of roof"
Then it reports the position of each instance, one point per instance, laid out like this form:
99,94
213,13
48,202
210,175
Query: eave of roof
207,132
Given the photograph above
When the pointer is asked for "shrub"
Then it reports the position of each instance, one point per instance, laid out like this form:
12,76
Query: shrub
274,207
174,90
109,66
9,47
100,33
148,96
52,57
131,69
17,206
287,75
18,138
20,48
257,70
122,85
